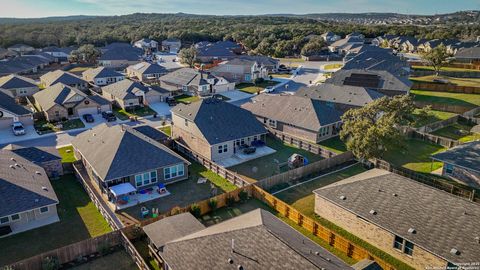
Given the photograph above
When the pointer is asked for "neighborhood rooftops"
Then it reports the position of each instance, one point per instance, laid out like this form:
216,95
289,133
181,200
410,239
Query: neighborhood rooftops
34,154
125,89
186,76
8,103
468,53
147,68
120,151
466,155
15,81
100,72
253,240
441,221
60,76
23,185
220,121
120,51
299,111
57,94
218,49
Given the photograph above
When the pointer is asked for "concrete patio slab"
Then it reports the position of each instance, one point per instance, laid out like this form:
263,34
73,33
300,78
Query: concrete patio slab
236,95
240,157
161,108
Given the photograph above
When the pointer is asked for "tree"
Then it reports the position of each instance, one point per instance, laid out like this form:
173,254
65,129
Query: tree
370,131
187,56
436,57
313,47
86,53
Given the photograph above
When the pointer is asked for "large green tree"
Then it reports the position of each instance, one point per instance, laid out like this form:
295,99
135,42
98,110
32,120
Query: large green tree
85,53
371,130
187,56
313,47
436,57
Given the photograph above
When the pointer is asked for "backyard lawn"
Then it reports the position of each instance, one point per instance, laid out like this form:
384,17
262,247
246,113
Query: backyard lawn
433,116
254,88
79,220
167,130
460,99
458,131
475,82
43,127
138,112
266,166
67,154
185,99
446,69
416,156
332,66
334,144
79,69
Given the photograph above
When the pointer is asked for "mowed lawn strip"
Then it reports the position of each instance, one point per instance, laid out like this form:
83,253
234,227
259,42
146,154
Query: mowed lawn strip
457,131
255,88
447,98
475,82
67,154
79,220
432,117
167,130
334,144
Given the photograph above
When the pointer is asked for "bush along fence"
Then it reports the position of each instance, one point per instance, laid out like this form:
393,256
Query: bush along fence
444,87
302,144
429,180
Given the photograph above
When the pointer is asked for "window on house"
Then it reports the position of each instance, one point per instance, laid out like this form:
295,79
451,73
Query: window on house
138,180
408,248
57,113
225,148
15,217
220,149
44,209
146,179
398,243
448,168
186,122
180,170
403,245
153,176
171,172
4,220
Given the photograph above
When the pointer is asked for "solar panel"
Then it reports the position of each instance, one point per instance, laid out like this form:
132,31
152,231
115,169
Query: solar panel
363,80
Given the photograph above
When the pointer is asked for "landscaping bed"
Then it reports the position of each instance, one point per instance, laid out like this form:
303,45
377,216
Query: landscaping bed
332,66
45,127
252,88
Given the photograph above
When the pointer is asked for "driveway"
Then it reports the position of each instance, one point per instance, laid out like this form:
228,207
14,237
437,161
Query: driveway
161,108
310,73
7,137
236,95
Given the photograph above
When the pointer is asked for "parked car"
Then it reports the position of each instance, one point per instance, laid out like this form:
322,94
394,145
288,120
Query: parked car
269,89
249,150
88,118
109,116
171,101
18,129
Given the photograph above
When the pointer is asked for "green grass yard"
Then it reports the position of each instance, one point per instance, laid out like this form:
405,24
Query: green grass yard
79,220
185,99
459,99
138,112
332,66
433,116
167,130
334,144
415,156
254,88
44,127
445,69
266,166
67,154
457,131
198,170
475,82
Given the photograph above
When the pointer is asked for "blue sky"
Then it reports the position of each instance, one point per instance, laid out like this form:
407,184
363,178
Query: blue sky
44,8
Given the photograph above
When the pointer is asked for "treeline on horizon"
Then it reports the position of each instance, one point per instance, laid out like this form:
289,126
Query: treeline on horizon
275,36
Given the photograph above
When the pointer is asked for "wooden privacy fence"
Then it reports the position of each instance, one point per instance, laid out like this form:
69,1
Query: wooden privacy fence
454,65
306,170
445,142
233,177
332,238
132,251
302,144
441,87
458,109
429,180
71,252
456,74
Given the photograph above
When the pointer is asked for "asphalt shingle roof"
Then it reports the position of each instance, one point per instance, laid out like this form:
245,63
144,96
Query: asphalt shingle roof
120,151
185,76
60,76
8,103
21,187
124,89
261,241
59,94
35,155
299,111
15,81
466,155
441,220
151,132
100,72
148,68
220,121
468,53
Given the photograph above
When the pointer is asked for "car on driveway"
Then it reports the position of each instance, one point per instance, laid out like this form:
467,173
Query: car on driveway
109,116
88,118
269,89
171,101
18,129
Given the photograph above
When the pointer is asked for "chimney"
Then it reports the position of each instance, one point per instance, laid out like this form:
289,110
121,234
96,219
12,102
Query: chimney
233,245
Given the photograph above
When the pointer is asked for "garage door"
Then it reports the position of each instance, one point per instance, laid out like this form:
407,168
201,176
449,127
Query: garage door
5,123
153,99
92,110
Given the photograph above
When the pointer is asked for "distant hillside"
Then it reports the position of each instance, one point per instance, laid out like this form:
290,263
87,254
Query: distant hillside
44,20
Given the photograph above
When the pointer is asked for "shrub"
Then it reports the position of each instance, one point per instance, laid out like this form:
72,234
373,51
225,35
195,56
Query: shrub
195,210
230,200
212,204
50,263
243,195
259,80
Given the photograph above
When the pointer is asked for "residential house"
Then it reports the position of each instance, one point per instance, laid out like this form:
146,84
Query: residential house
60,101
341,97
146,44
375,58
5,53
330,37
215,128
11,111
208,52
124,163
21,48
341,45
128,94
383,81
254,240
102,76
64,77
468,55
47,158
270,63
240,70
411,45
302,117
171,45
28,200
61,55
153,133
25,64
195,82
146,72
462,163
18,86
415,223
120,55
356,35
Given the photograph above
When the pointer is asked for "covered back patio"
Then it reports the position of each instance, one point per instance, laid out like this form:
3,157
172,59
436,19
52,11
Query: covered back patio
125,195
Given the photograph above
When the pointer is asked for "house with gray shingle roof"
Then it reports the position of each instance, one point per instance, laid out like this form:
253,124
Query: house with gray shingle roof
171,45
128,94
415,223
60,101
146,44
215,128
208,52
11,111
462,163
21,48
18,86
119,55
468,55
27,199
240,70
64,77
46,157
102,76
339,45
254,240
146,72
120,157
301,117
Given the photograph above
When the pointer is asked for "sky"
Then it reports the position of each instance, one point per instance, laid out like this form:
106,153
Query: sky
46,8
